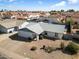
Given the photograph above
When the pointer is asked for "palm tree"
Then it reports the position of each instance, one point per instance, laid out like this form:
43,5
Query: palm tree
69,23
68,27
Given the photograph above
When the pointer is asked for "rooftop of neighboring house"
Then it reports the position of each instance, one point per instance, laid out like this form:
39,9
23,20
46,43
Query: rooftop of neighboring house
9,23
22,15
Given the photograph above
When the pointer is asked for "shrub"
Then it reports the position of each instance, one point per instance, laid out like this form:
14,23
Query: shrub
62,45
48,49
33,48
72,48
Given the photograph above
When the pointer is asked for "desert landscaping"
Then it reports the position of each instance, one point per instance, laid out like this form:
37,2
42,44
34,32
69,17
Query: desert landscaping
23,48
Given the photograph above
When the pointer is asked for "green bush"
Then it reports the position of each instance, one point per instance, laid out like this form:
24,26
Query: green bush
33,48
72,48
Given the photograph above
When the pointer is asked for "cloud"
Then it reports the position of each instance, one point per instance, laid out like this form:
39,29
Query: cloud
2,0
9,6
73,1
7,0
11,0
40,2
60,4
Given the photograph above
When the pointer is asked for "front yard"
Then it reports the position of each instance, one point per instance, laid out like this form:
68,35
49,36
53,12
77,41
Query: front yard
41,54
23,48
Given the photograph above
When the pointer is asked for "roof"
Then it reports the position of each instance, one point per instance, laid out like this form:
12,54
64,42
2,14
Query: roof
9,23
53,27
25,29
49,19
40,27
35,27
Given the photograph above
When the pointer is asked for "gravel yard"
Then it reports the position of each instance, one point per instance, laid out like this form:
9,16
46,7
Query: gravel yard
23,48
3,56
41,54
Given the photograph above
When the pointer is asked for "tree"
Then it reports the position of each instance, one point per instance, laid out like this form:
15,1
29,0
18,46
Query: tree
69,23
2,10
68,27
71,10
53,12
62,10
5,10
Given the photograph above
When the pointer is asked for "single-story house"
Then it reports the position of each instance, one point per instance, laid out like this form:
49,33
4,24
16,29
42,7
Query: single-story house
36,29
10,25
49,19
76,34
22,25
13,17
45,19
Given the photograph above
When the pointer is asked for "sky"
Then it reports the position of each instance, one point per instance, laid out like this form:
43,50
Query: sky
39,5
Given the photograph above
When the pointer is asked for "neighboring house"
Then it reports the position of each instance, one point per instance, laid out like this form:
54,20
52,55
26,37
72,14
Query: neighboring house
45,19
34,16
76,34
6,15
13,17
9,26
31,17
36,29
75,20
48,19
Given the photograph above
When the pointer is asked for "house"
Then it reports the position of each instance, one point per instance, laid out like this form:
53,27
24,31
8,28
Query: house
48,19
22,25
75,34
10,25
33,30
45,19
